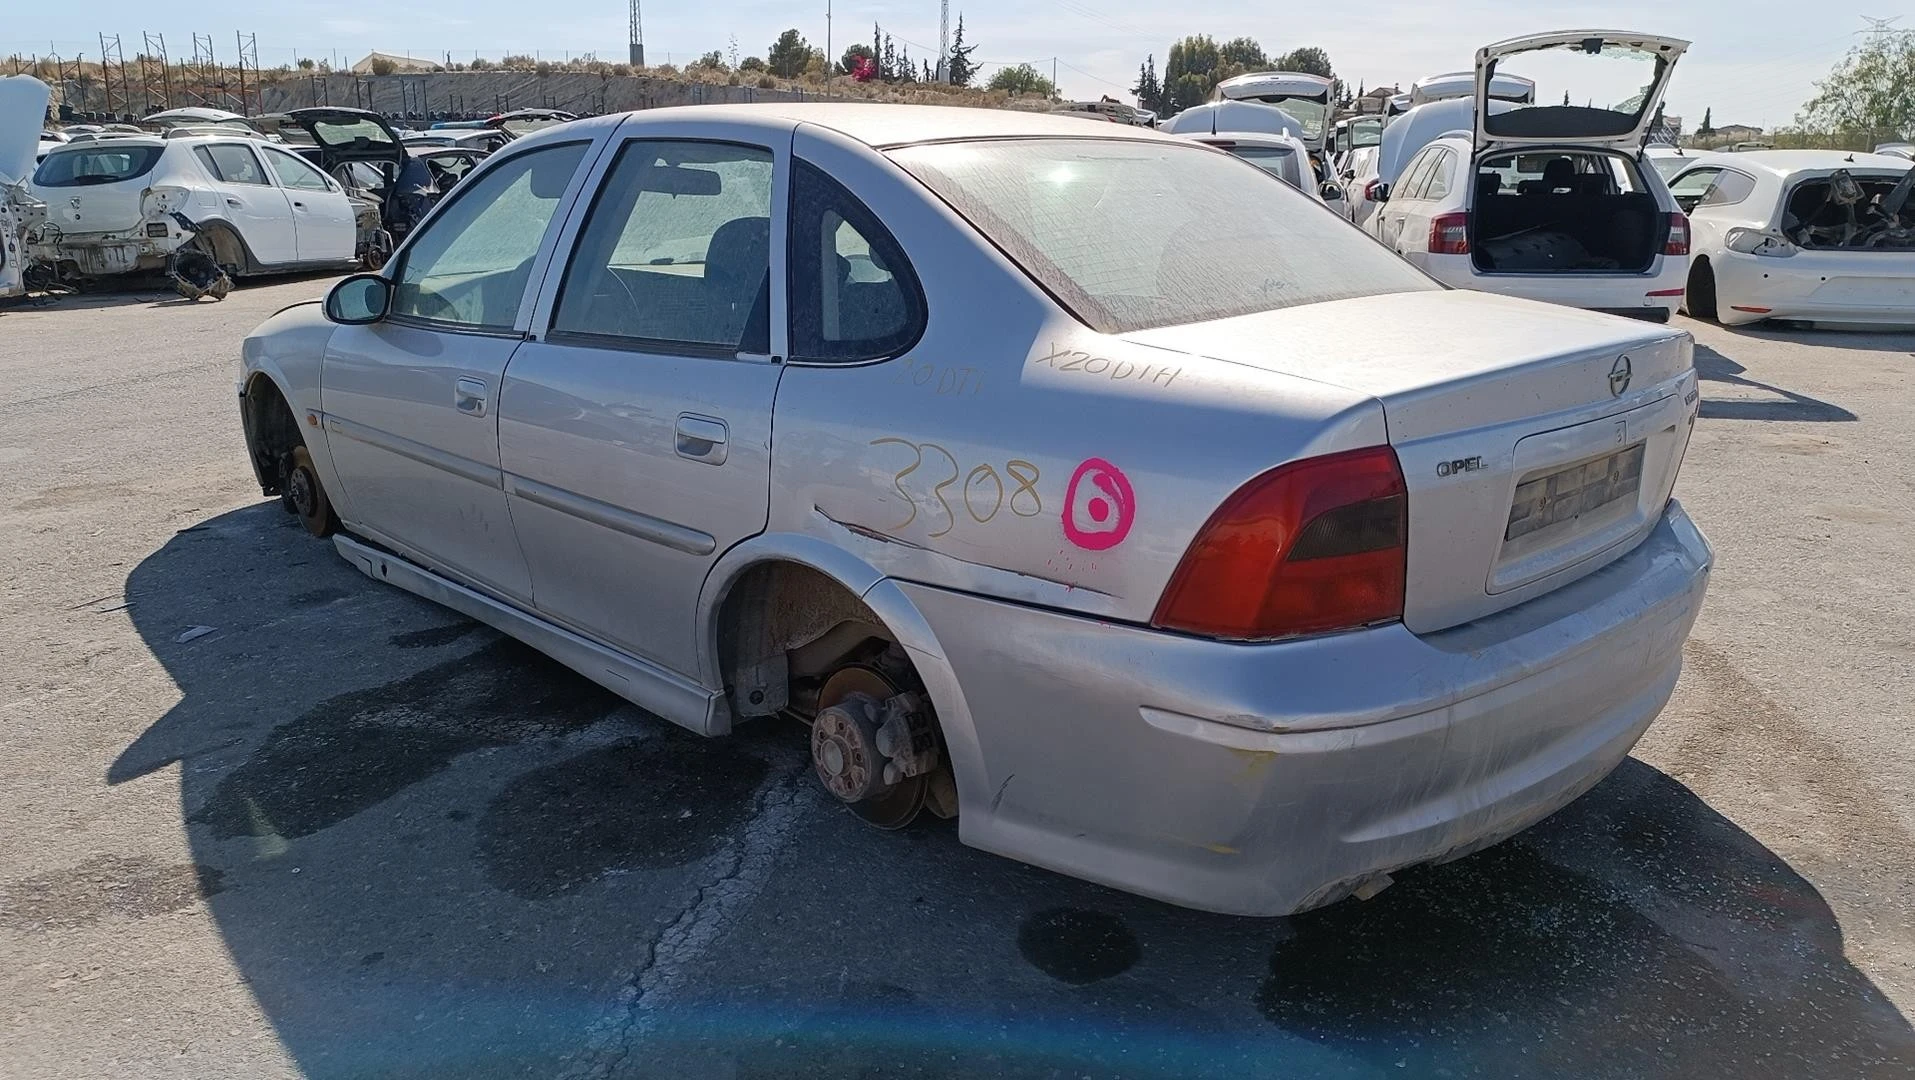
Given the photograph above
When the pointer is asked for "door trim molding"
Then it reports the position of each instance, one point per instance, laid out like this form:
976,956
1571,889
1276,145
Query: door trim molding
642,526
475,471
641,682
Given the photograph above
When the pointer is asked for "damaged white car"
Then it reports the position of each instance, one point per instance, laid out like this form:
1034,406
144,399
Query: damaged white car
1817,235
147,202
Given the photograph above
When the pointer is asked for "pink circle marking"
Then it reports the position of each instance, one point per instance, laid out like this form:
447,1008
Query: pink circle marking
1111,510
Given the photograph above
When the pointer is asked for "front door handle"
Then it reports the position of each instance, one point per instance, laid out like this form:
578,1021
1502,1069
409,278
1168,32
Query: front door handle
469,396
702,438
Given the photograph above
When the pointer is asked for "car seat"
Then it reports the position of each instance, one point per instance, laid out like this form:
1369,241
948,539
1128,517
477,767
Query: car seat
738,282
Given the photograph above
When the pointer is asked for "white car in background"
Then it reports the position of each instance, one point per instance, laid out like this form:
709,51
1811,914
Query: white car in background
1823,236
23,107
1282,156
127,204
1670,160
1548,202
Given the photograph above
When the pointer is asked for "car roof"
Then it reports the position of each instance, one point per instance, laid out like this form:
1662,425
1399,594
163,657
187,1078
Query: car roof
1248,138
881,125
1785,162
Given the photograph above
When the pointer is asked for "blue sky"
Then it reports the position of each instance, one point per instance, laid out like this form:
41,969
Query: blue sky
1753,61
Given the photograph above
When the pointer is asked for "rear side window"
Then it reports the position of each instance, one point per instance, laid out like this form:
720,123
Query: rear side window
1417,176
103,164
231,164
853,294
1730,188
1129,235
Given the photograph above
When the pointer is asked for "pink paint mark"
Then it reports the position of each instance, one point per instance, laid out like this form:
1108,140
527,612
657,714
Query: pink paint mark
1102,515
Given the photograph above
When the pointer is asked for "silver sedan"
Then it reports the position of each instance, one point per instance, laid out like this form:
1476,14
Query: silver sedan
1087,484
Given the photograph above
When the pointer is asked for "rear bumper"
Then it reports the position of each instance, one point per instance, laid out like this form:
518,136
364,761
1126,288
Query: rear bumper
1267,779
1619,294
106,254
1865,288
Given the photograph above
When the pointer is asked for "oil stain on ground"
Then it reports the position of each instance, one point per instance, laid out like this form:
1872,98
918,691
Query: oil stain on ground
658,802
432,636
131,887
1077,946
360,748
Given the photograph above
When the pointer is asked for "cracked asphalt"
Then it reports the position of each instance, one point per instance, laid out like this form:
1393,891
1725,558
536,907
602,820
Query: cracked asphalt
349,834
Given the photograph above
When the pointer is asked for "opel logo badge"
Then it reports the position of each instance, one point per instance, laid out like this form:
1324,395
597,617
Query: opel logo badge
1619,377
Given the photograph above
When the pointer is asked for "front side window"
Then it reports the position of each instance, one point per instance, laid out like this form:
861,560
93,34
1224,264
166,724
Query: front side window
294,173
1129,235
853,294
676,250
232,164
470,266
105,163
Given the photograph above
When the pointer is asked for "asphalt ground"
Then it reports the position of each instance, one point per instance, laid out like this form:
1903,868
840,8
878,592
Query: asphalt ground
346,833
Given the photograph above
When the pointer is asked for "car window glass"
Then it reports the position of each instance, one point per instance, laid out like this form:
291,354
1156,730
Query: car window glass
853,293
1442,175
1418,174
1690,187
676,249
232,164
294,173
471,264
1730,188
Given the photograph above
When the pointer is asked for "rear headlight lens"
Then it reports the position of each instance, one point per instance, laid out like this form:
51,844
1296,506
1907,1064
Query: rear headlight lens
1678,242
1449,234
1310,547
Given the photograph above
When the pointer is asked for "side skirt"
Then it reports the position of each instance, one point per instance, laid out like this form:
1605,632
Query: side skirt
638,681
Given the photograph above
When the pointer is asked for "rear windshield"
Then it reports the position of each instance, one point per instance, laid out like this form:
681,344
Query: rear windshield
1275,160
106,163
357,134
1133,235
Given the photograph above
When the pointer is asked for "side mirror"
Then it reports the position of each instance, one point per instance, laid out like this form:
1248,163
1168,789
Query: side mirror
1349,174
1381,194
1330,191
360,299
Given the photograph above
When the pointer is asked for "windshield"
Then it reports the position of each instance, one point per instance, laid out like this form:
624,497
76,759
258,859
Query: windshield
1668,165
1366,132
357,134
101,163
1133,235
1275,160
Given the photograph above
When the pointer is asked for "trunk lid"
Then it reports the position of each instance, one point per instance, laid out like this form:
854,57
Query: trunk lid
98,186
23,113
1538,443
344,135
1304,96
1570,58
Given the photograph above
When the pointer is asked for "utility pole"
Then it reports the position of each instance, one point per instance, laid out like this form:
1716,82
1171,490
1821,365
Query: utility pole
829,59
636,55
944,41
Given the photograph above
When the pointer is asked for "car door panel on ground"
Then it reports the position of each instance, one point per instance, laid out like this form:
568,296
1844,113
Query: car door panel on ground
636,432
323,225
411,401
248,199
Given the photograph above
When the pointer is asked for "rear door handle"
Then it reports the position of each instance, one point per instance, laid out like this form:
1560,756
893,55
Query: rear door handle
702,438
299,206
235,203
469,396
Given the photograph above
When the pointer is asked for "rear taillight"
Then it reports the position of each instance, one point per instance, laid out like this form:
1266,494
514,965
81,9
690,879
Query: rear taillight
1449,233
1309,547
1678,242
1369,189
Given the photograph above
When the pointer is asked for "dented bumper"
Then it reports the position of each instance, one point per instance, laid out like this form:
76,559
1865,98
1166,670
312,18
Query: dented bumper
1270,778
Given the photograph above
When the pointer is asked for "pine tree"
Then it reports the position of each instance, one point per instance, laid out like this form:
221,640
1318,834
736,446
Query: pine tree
888,60
1150,93
877,50
1708,122
959,66
907,71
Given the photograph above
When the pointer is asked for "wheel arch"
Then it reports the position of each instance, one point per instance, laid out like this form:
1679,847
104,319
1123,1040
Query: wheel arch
825,565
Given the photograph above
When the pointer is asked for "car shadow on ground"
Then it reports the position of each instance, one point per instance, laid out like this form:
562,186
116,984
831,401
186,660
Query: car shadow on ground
1712,366
427,849
1882,339
148,290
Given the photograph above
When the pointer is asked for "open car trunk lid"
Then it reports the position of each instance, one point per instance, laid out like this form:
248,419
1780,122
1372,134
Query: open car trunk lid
1538,443
344,135
23,114
1621,126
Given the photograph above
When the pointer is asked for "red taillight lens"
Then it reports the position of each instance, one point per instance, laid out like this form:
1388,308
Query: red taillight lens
1678,242
1369,189
1312,546
1449,234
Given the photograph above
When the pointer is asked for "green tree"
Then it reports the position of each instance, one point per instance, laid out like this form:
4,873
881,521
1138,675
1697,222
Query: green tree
1191,71
906,71
1150,92
711,61
1872,89
959,65
1309,59
1022,79
752,64
1245,54
788,55
1707,127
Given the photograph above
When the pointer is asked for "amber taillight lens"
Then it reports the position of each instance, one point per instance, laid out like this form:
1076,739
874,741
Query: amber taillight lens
1309,547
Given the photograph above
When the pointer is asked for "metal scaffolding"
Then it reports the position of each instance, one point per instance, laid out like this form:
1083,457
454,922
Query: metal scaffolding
248,61
156,77
113,63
